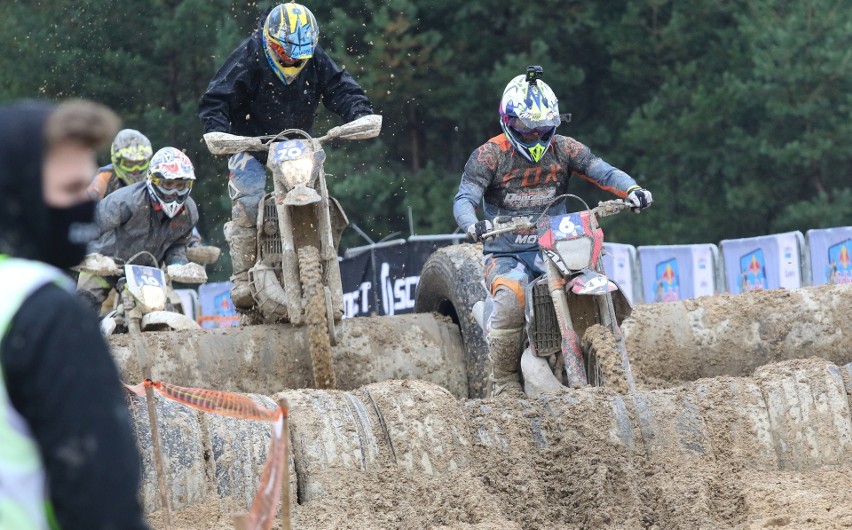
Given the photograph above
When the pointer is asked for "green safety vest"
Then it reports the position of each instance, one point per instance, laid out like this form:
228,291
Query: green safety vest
24,503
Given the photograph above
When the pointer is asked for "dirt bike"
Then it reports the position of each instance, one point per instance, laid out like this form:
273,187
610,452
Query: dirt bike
296,276
146,296
571,296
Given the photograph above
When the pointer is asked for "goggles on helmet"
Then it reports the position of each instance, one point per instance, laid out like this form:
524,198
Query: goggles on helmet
285,59
171,189
530,134
133,166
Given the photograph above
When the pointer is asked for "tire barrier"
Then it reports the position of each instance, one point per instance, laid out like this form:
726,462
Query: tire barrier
451,282
183,450
212,454
404,423
614,452
669,344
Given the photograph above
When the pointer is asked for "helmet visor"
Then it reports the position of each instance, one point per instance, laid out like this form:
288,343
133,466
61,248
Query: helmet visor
531,134
282,55
171,189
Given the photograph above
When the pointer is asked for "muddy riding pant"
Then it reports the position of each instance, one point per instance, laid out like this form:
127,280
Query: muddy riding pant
506,278
246,186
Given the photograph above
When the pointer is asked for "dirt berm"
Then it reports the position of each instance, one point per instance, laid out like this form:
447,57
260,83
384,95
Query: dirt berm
267,358
676,342
771,450
669,344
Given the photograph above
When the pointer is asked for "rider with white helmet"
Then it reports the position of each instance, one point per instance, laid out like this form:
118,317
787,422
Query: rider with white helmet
156,215
520,173
170,179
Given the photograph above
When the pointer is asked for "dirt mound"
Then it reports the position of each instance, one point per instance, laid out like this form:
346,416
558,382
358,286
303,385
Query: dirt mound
677,342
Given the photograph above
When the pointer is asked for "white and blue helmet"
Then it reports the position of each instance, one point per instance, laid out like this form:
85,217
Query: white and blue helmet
529,114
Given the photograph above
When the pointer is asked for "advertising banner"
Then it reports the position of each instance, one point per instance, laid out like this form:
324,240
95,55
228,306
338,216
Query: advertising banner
217,310
765,262
677,272
394,270
830,250
620,265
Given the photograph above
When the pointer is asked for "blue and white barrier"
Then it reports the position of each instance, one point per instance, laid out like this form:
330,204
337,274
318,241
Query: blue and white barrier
620,264
676,272
765,262
217,309
829,251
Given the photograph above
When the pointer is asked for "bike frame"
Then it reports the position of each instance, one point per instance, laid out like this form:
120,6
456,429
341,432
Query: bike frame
580,293
303,209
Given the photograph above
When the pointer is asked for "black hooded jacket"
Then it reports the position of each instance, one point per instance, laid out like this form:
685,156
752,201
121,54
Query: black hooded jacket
56,366
246,98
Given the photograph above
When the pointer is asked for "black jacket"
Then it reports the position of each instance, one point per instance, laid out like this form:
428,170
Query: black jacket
246,98
56,366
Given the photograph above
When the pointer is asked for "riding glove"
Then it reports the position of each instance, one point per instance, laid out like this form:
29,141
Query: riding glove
476,230
639,198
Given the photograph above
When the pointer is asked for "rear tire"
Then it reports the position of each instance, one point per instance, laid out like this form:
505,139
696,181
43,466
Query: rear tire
316,319
450,283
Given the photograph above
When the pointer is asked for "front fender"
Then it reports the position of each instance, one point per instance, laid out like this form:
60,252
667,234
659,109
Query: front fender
591,283
579,286
176,321
301,195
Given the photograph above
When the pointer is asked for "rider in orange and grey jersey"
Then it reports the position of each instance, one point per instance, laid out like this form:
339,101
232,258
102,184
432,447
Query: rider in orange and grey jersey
520,173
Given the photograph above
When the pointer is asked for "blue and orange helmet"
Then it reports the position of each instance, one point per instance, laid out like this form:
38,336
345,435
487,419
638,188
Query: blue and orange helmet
290,35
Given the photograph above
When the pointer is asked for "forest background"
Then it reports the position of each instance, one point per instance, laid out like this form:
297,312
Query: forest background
737,115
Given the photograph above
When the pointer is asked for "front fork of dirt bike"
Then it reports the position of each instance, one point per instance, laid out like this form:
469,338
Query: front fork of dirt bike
289,260
575,371
328,255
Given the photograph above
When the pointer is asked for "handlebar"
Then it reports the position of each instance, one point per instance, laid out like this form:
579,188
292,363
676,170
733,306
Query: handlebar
613,207
220,143
504,225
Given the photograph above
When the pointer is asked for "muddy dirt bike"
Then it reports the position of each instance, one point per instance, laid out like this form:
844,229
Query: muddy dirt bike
146,299
296,277
571,296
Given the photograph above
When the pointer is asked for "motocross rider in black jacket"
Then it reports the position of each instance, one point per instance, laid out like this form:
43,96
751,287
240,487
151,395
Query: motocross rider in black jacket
273,81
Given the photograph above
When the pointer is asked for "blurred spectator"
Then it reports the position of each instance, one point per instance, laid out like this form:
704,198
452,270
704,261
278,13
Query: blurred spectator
68,458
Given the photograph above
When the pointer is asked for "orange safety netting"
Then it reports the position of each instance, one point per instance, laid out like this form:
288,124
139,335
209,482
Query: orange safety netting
215,401
265,504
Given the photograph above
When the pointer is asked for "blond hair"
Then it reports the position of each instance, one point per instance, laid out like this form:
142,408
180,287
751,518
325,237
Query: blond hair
80,121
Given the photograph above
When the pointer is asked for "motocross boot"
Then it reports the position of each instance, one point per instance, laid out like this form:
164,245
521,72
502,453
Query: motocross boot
504,352
242,243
